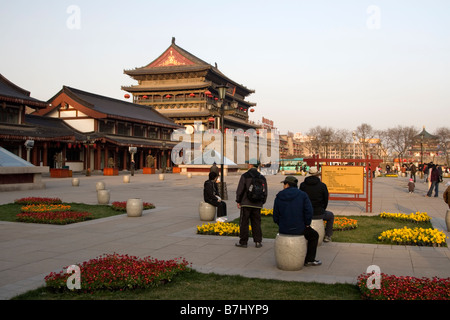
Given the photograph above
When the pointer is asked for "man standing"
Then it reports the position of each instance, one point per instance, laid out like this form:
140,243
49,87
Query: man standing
251,194
413,171
317,192
292,211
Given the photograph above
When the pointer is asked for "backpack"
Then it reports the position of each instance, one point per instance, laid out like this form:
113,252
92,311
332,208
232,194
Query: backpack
257,190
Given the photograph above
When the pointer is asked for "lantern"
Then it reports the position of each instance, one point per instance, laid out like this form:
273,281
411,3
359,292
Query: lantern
208,93
69,145
211,119
216,98
192,95
252,110
127,96
145,97
168,96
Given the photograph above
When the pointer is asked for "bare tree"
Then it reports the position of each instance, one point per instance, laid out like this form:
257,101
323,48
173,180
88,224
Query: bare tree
365,133
443,135
399,139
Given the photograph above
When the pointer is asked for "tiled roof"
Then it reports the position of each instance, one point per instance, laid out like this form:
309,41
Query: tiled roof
118,108
12,93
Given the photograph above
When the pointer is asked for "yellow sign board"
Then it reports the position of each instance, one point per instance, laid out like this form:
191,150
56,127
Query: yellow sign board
344,179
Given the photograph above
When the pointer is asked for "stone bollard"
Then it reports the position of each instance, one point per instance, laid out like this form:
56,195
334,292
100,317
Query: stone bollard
290,252
75,182
317,224
100,185
161,176
135,206
189,175
206,211
103,196
126,178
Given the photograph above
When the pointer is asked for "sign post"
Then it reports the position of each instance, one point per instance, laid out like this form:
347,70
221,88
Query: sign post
355,180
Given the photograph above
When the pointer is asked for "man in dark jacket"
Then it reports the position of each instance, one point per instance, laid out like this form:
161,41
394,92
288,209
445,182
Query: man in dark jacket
250,209
292,211
211,196
318,194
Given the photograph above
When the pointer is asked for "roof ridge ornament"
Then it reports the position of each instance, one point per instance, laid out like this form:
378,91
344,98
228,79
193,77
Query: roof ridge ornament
173,40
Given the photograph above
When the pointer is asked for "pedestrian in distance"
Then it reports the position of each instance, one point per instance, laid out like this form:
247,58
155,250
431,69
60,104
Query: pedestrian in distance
434,179
293,212
317,192
211,195
411,185
251,194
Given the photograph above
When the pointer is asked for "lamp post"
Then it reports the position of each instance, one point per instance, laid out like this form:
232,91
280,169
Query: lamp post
222,89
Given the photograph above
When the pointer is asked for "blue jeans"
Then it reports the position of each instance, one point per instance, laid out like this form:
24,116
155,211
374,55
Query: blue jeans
435,185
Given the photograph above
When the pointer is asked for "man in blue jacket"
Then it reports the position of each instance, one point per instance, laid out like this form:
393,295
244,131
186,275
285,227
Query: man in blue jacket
292,211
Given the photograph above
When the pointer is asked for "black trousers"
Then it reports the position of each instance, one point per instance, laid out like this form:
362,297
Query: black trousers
252,215
221,208
312,236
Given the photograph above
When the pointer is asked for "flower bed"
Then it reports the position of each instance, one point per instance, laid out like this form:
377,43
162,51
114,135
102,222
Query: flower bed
48,211
219,229
416,217
343,223
416,236
37,200
405,288
56,217
122,205
266,212
116,272
45,208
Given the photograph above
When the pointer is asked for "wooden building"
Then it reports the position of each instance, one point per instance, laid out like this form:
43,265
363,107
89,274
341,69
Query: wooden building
184,88
109,128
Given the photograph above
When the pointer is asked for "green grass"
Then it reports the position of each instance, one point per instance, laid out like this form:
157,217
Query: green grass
369,228
198,286
8,212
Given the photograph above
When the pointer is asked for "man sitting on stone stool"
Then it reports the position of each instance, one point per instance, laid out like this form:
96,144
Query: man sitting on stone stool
292,211
317,192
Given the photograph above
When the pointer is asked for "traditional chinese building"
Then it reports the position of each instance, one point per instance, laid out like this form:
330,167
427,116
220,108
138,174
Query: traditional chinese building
184,88
109,128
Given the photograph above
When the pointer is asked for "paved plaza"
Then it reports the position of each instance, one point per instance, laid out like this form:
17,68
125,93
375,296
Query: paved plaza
28,252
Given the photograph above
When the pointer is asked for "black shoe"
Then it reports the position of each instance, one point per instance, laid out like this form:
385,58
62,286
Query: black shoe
240,245
313,263
258,244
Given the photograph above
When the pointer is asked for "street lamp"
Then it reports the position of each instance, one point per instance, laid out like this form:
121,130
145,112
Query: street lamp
222,89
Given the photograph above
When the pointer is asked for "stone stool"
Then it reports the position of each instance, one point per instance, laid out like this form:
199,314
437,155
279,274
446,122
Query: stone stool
290,252
206,211
317,224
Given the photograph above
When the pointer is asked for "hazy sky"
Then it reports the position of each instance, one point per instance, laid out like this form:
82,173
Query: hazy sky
329,63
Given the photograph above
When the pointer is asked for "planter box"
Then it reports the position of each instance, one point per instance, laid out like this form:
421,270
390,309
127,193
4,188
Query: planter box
110,172
60,173
176,170
148,171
